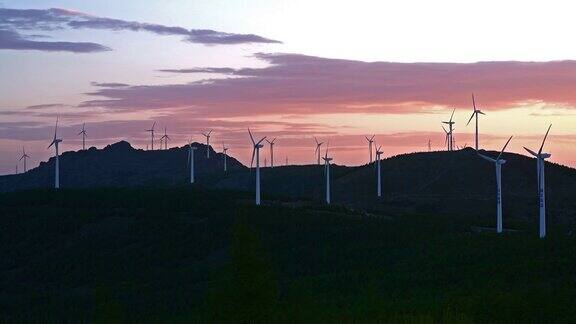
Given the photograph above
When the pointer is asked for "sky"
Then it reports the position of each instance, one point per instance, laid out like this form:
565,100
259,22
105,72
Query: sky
291,70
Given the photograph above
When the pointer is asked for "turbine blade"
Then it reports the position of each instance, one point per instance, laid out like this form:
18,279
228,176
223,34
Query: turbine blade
473,102
498,158
469,120
487,158
251,137
544,140
154,124
531,152
253,153
452,114
263,138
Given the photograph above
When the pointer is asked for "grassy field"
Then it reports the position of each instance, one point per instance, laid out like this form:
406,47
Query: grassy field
194,255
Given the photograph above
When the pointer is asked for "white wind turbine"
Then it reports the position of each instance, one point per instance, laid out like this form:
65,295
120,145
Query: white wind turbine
498,163
191,150
225,151
24,157
540,162
151,130
55,142
256,152
327,171
476,112
370,141
207,135
83,133
447,138
450,133
271,151
379,179
317,151
164,138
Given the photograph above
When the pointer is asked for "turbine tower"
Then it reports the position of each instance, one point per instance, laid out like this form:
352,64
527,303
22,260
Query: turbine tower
317,151
207,135
498,163
271,151
191,150
327,171
379,180
256,152
429,145
151,130
370,141
475,113
55,142
540,162
83,133
447,138
164,138
24,157
450,124
225,151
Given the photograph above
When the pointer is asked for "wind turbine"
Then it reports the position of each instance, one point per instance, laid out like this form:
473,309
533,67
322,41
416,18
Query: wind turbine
540,162
191,150
447,139
475,112
225,151
164,138
151,130
24,157
317,151
256,151
55,142
370,141
327,171
498,163
271,151
379,180
207,135
83,133
429,145
450,124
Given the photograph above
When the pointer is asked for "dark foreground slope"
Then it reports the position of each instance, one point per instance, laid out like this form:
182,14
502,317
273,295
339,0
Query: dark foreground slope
197,256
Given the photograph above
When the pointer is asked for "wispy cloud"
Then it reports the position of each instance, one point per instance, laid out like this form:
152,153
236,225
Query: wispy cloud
11,40
52,19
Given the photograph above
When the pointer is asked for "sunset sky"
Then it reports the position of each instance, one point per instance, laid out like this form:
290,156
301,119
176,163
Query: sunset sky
294,69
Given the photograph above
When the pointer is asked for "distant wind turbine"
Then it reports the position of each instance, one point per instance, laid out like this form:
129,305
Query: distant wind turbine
83,133
475,112
207,135
225,151
447,138
327,171
429,145
379,179
256,152
55,142
540,162
317,151
191,150
271,151
370,141
498,163
164,138
450,133
24,157
151,130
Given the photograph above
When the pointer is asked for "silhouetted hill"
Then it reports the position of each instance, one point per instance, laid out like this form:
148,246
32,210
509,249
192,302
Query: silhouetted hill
456,182
120,165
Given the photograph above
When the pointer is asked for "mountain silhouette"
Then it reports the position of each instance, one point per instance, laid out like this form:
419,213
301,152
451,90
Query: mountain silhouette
457,182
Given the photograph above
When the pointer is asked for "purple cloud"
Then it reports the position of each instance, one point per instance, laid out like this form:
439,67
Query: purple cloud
303,85
11,40
109,84
55,19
